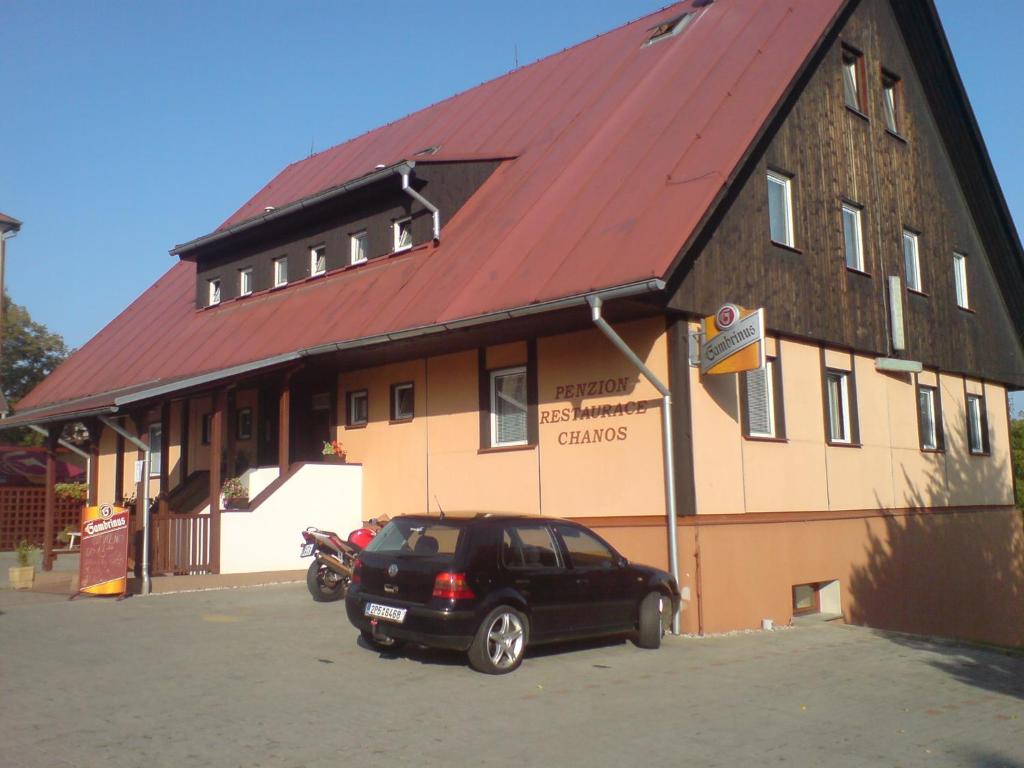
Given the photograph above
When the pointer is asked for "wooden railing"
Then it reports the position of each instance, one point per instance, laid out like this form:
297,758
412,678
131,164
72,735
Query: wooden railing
22,511
180,544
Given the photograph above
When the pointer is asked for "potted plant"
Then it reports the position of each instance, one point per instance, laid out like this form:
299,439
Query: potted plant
23,574
334,451
234,493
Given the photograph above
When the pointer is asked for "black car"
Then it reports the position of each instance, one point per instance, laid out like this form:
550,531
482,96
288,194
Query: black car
494,584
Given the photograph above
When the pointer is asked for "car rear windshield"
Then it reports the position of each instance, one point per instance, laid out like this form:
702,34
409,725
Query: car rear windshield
417,537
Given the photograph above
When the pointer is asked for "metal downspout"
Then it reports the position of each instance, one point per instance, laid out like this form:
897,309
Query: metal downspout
666,421
70,446
425,203
145,494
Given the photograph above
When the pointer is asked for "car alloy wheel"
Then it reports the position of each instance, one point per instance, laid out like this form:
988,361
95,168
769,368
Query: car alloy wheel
500,642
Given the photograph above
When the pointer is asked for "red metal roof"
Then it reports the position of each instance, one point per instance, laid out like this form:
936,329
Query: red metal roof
618,151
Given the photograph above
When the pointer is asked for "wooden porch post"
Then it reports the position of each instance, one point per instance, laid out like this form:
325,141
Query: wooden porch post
50,508
284,408
165,443
216,448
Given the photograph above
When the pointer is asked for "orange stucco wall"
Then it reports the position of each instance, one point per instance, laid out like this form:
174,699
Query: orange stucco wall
805,474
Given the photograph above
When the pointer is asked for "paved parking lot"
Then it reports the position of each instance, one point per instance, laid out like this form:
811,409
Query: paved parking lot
264,676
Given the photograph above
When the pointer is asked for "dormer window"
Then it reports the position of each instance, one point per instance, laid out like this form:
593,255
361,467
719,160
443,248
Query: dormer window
402,234
317,260
214,292
358,247
280,271
245,281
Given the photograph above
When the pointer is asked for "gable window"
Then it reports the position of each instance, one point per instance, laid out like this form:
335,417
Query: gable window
761,398
508,407
960,279
403,401
358,248
840,404
402,234
317,260
977,424
911,260
214,292
929,418
245,281
357,411
852,80
156,449
243,424
780,208
280,271
890,101
853,241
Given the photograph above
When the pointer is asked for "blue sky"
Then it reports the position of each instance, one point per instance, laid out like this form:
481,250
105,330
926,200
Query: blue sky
126,128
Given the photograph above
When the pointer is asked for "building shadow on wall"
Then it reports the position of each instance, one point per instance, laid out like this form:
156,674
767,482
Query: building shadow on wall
957,576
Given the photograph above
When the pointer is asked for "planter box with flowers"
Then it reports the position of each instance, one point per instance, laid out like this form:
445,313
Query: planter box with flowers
334,452
234,494
22,575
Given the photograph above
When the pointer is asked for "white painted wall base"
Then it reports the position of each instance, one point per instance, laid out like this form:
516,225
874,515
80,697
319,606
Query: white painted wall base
268,539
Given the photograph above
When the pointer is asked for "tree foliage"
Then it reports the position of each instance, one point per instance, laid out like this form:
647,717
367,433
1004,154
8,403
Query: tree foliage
1017,451
30,352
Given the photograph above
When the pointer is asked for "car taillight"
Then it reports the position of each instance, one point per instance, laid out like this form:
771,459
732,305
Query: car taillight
452,586
357,576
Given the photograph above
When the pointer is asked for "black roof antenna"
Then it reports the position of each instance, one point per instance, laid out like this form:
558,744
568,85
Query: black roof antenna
440,512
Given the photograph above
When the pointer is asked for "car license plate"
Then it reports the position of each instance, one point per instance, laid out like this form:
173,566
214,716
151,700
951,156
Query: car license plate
386,612
307,550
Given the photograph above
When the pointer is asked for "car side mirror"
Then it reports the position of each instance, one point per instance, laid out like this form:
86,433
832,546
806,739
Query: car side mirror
622,562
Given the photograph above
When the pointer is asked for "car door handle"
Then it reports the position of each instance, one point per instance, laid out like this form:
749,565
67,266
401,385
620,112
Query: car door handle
522,582
582,581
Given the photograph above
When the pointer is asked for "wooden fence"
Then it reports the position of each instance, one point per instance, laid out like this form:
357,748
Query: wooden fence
180,544
22,510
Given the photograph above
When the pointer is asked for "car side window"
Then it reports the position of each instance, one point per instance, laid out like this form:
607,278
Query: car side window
585,550
529,546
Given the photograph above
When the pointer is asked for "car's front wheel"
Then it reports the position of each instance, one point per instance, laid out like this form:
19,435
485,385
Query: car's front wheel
500,642
650,623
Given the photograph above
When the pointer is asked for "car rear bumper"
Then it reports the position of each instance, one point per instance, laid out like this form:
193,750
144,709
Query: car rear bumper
449,629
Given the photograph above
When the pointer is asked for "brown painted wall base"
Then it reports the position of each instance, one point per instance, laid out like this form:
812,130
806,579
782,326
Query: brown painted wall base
951,573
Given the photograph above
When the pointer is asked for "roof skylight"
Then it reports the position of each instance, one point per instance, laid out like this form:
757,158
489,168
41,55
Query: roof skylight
673,26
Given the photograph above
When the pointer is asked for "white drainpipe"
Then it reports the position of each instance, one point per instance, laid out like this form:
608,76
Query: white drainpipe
666,436
425,203
145,495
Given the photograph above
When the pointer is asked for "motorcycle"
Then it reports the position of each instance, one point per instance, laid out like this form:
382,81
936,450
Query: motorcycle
330,573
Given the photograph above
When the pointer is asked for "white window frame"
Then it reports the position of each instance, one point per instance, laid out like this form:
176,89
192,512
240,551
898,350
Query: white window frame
769,392
213,292
912,260
245,281
399,388
280,271
975,424
960,279
355,239
889,83
396,230
358,394
842,418
858,233
314,257
519,370
774,177
930,441
851,63
156,456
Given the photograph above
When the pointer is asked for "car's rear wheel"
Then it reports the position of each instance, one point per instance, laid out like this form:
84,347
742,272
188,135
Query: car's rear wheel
651,620
500,642
325,585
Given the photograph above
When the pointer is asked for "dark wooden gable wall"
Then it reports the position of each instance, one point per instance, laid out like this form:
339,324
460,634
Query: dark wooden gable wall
835,154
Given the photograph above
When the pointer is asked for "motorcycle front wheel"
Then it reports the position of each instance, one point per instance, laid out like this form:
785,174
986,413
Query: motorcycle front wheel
325,585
